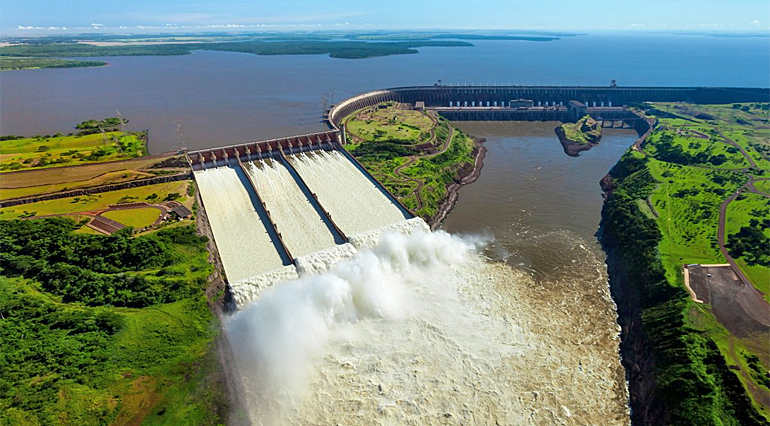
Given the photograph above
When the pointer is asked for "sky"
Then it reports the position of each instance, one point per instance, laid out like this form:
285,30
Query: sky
18,17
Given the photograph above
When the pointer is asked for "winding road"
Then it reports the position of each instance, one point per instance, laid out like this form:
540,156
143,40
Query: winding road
413,158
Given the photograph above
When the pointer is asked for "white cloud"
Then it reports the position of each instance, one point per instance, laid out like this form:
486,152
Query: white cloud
755,23
97,25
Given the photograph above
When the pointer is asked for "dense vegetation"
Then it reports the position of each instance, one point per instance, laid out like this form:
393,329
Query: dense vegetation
692,377
69,357
415,155
752,243
585,131
39,52
96,270
14,63
335,49
662,212
88,145
101,124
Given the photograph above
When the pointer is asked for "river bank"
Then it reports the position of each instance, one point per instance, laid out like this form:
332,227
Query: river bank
667,346
465,177
580,136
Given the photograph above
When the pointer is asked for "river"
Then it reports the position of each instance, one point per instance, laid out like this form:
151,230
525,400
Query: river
538,207
210,99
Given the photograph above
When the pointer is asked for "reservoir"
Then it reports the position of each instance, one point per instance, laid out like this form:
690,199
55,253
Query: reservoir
536,209
211,99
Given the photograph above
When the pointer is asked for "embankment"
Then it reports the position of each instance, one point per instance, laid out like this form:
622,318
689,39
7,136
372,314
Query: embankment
96,190
676,374
465,176
578,137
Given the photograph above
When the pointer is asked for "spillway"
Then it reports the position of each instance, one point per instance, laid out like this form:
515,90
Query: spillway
245,246
354,202
300,224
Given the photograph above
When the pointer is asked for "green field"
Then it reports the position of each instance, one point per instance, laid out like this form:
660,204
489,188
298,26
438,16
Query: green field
103,179
690,171
681,147
390,123
741,212
123,340
137,218
101,201
20,63
763,185
59,150
415,155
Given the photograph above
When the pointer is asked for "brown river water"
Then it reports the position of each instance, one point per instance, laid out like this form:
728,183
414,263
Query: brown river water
529,337
505,319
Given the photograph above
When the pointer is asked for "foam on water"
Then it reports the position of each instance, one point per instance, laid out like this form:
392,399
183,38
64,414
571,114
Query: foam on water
407,227
248,289
300,225
324,260
354,202
421,329
244,245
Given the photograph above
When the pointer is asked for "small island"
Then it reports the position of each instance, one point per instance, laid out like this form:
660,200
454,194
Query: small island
580,136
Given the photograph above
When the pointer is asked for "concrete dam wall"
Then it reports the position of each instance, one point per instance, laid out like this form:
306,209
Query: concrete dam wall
274,204
542,96
287,210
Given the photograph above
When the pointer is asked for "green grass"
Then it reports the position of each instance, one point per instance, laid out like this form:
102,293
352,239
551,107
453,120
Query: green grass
158,354
686,187
16,63
691,373
76,363
739,214
98,201
585,131
763,185
756,142
137,218
688,200
57,150
77,175
687,149
391,123
104,179
384,138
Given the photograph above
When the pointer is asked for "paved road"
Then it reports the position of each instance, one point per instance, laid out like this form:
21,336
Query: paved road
746,187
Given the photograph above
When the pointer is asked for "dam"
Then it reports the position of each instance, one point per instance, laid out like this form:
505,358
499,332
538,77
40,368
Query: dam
274,205
419,328
547,102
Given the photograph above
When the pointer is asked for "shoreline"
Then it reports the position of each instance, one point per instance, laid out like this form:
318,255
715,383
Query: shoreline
448,204
573,148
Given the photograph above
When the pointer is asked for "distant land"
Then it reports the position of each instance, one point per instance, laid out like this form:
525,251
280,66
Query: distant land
20,52
18,63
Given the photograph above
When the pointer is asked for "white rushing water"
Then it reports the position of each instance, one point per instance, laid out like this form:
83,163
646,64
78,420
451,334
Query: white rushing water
244,245
420,329
354,202
300,225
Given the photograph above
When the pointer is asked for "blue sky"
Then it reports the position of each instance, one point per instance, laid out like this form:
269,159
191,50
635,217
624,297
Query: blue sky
59,16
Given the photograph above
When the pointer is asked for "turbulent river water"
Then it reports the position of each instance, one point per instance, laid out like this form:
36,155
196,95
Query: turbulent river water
505,320
501,317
